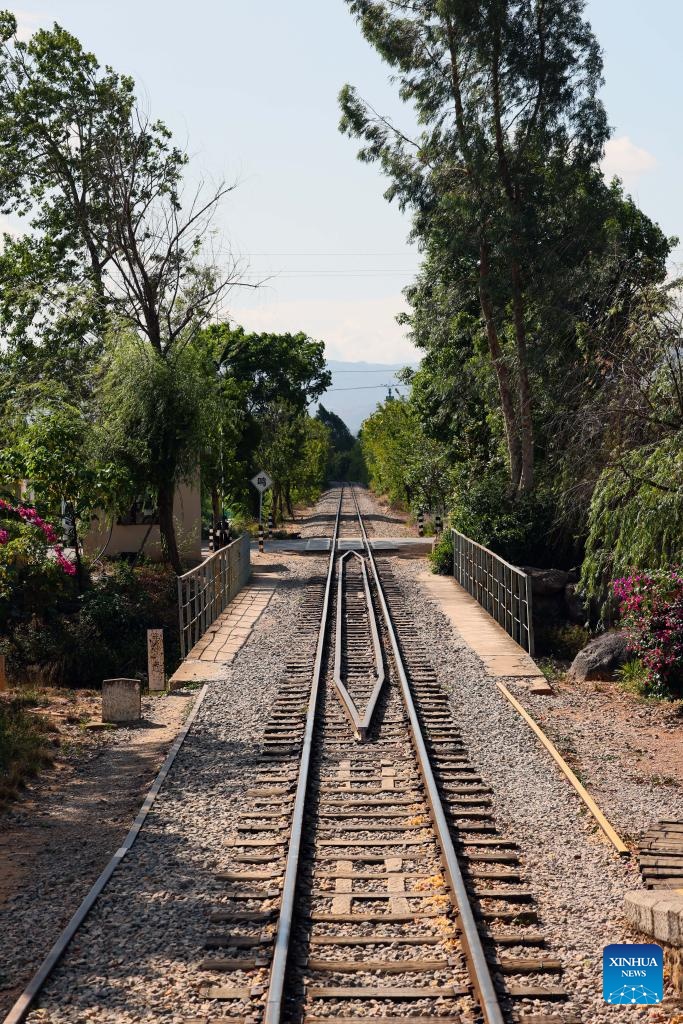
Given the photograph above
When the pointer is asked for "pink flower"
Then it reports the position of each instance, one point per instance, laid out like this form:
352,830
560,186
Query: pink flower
68,567
4,536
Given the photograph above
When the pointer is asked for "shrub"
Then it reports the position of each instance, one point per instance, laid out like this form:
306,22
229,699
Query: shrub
651,607
633,677
441,556
105,634
520,529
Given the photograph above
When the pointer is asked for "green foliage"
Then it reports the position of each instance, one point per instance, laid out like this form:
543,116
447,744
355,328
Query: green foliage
403,463
441,557
104,632
633,677
636,515
346,461
518,528
154,411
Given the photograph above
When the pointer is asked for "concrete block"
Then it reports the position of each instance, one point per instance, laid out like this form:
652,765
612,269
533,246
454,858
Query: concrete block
121,700
155,659
658,913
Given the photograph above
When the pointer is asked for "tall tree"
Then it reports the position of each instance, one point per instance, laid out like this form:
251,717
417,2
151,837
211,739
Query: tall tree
102,186
506,94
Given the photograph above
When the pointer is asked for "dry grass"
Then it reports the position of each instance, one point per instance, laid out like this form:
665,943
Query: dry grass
25,744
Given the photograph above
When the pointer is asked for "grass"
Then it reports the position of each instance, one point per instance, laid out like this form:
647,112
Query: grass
25,745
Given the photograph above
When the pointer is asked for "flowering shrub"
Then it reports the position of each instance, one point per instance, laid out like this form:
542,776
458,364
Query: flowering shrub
33,566
651,606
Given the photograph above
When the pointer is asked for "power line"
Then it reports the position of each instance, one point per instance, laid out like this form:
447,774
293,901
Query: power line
368,387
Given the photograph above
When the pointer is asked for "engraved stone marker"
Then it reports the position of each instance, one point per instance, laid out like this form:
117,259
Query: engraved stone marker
155,659
121,700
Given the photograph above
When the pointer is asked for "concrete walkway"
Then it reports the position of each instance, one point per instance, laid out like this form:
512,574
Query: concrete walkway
499,652
231,630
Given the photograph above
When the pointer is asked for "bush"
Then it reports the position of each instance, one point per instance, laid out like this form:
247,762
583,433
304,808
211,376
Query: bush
519,529
651,607
441,556
106,634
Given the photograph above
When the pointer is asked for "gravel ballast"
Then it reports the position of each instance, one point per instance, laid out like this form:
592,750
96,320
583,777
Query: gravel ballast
137,956
576,878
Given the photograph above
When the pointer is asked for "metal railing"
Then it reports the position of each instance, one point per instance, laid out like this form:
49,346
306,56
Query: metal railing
503,590
207,590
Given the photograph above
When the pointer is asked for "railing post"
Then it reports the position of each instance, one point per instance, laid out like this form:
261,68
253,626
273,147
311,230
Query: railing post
529,617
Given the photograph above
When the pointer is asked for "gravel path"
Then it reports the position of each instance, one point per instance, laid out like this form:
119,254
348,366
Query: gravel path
137,956
577,880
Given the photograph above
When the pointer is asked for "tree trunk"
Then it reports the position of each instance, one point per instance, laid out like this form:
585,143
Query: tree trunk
526,425
169,543
288,499
215,507
502,372
71,514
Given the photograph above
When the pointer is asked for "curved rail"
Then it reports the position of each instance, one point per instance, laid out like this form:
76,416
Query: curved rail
359,723
474,951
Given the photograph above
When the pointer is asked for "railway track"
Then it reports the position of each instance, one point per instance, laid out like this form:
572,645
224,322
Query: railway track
367,877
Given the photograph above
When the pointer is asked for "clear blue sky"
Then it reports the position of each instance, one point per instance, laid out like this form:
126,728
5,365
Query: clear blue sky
251,89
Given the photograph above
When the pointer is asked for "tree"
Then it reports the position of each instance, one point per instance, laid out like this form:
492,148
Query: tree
346,460
260,376
102,186
54,452
154,412
410,468
506,92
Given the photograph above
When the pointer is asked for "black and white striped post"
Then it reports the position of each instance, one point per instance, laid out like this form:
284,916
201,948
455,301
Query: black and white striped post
261,482
420,523
438,523
270,525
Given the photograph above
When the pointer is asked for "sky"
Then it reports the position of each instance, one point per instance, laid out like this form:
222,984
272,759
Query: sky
251,90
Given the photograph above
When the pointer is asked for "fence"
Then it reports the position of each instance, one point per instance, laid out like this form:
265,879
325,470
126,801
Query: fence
502,589
204,592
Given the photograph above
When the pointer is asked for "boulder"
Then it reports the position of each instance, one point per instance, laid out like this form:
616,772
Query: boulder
600,657
545,582
573,605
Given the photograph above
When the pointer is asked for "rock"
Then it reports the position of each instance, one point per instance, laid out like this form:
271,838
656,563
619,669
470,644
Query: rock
574,606
600,657
545,582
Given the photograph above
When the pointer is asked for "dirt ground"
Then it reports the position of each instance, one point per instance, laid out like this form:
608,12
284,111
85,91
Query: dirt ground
65,825
619,744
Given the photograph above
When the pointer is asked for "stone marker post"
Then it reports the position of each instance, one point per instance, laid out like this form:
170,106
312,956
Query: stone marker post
121,700
155,659
3,673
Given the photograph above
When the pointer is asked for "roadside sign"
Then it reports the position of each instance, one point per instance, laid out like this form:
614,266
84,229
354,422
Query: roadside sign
261,481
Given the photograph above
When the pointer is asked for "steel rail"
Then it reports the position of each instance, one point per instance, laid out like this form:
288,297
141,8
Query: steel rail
360,724
23,1004
474,951
278,968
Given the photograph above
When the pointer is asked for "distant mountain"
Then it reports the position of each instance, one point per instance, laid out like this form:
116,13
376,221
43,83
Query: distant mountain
358,387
